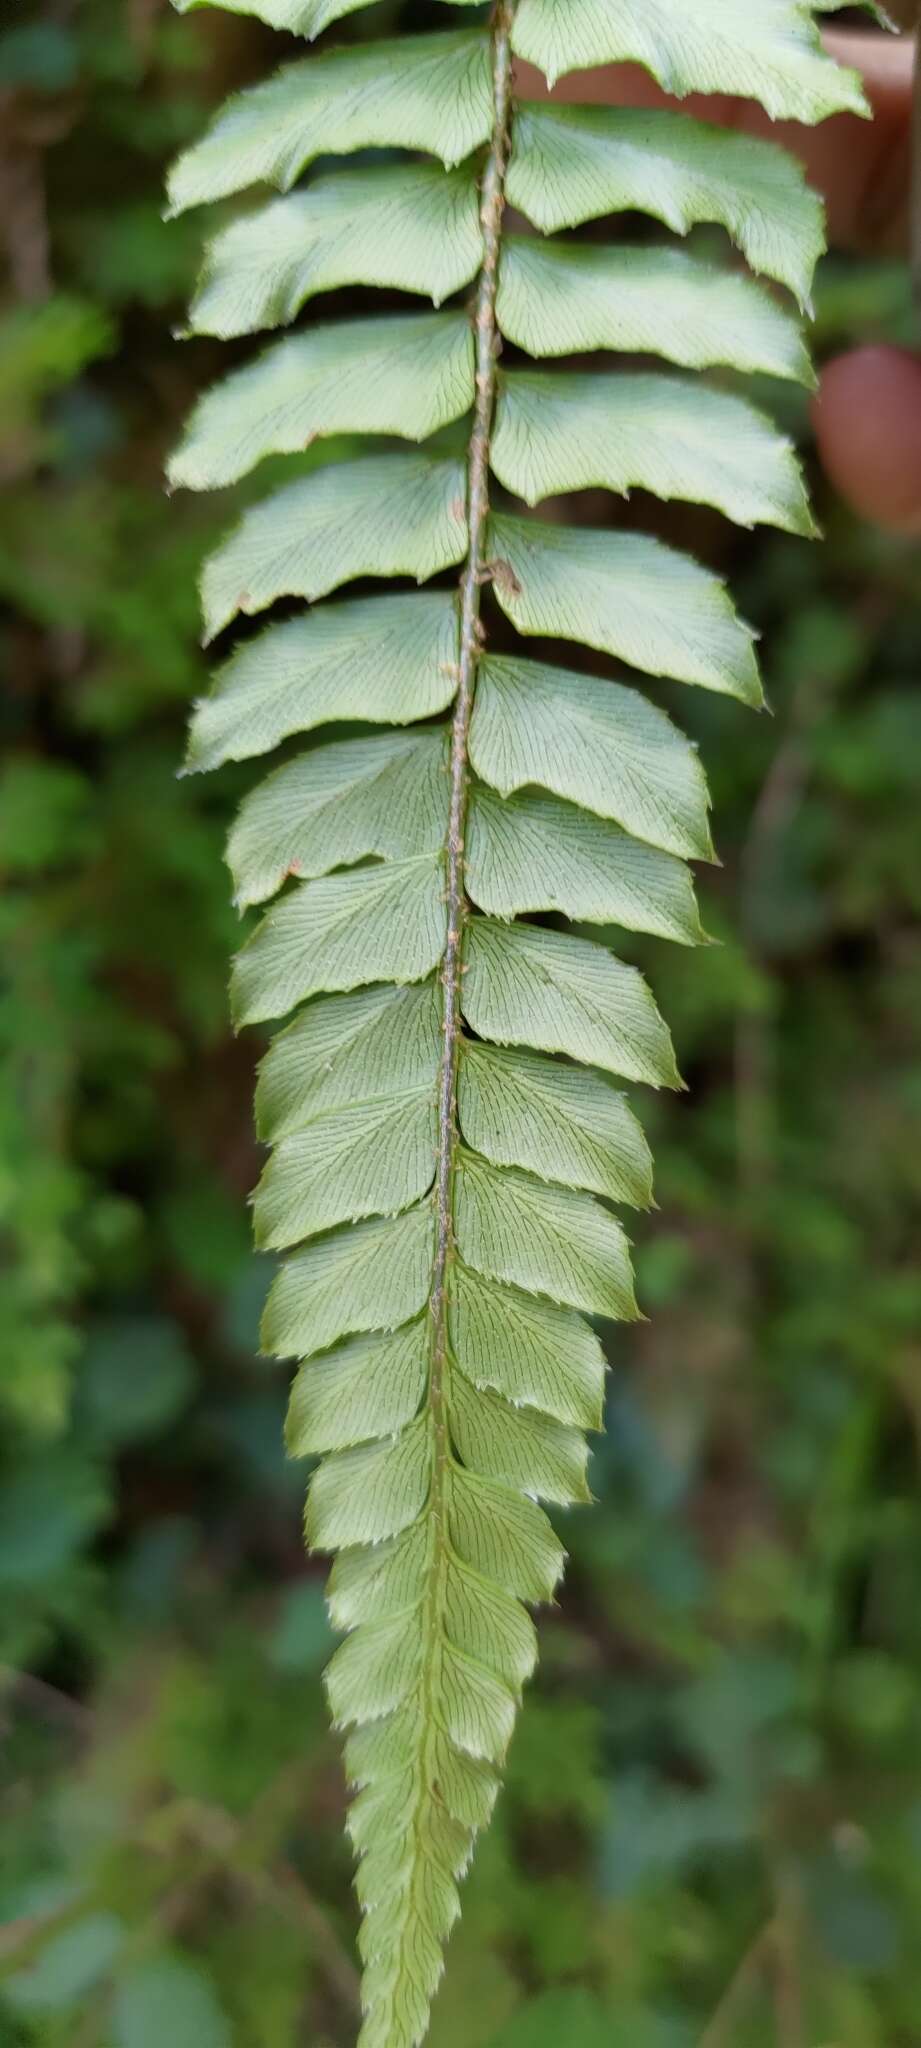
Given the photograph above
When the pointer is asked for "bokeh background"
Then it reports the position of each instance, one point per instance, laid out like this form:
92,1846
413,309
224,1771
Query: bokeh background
711,1832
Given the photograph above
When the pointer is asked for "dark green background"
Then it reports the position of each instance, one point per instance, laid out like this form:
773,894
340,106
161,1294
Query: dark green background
712,1827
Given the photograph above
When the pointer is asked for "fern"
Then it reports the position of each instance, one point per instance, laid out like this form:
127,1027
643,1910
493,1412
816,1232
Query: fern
447,1140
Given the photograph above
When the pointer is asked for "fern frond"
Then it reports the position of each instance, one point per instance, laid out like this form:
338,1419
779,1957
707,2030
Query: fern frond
447,1136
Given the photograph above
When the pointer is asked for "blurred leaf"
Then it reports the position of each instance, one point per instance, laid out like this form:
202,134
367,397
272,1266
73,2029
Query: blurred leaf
572,2017
69,1965
656,1831
46,816
48,1509
137,1376
168,2000
302,1638
43,55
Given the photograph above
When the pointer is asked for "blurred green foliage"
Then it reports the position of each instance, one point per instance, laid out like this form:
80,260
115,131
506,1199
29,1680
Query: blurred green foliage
712,1827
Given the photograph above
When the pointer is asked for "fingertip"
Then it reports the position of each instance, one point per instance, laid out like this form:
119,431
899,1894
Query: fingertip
867,418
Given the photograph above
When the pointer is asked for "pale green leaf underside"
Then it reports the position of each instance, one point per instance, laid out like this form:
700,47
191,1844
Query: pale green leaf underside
525,986
348,1049
627,595
447,1387
371,1159
519,1446
385,515
572,164
508,1540
302,17
368,1388
422,92
768,51
531,1352
367,1496
364,1584
533,853
406,376
387,660
600,745
414,227
520,1109
519,1554
385,796
384,923
374,1277
547,1240
440,1720
558,298
668,435
391,1577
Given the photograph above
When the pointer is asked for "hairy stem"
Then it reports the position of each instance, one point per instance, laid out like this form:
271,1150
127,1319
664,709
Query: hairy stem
471,638
399,1959
492,202
428,1798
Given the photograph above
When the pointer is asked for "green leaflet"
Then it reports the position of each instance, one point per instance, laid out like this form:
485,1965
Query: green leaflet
547,1240
369,1388
770,52
372,1278
519,1446
483,1623
509,1541
627,595
364,1583
405,376
383,923
564,1124
302,17
340,804
557,298
415,229
382,1041
573,164
374,1670
390,515
372,1492
421,92
530,1351
370,1159
525,986
468,1785
595,742
388,660
532,852
445,1134
661,434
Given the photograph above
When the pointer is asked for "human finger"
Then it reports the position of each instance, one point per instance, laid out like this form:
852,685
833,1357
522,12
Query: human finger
867,417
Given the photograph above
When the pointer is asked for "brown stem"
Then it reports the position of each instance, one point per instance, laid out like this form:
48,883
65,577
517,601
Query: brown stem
753,1968
471,638
492,200
492,203
23,210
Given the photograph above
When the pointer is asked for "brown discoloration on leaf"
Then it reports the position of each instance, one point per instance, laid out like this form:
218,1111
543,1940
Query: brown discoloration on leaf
503,575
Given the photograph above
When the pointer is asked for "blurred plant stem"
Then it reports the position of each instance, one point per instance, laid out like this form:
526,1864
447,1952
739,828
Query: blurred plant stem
772,1959
782,793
